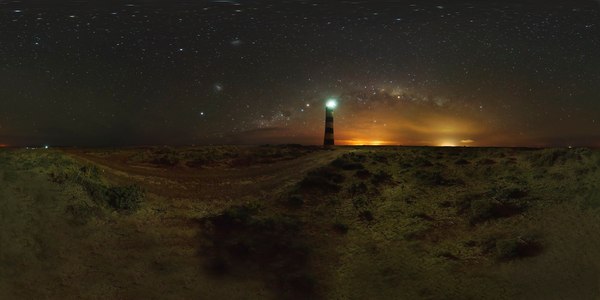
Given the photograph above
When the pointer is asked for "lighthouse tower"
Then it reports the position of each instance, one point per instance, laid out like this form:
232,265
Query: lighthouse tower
329,107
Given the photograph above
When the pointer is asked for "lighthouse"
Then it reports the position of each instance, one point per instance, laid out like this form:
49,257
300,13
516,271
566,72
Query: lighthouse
329,107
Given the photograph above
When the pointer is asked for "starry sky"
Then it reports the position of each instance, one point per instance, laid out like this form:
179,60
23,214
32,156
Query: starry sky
440,73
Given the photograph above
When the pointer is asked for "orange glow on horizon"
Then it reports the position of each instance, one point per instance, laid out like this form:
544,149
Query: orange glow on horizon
3,145
366,143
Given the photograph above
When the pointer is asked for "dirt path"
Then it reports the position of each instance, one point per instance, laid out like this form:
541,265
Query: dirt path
212,183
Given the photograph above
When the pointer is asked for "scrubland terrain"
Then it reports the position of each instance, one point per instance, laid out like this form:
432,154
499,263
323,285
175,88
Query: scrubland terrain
293,222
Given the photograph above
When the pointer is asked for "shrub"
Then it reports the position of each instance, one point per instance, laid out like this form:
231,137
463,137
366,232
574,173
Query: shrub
461,162
507,249
486,209
362,174
125,197
345,164
300,283
366,215
324,180
357,188
90,171
445,204
430,178
340,228
405,165
486,162
117,197
360,202
448,255
96,190
551,157
508,193
422,162
198,162
419,234
482,210
244,161
381,159
295,201
217,265
167,159
381,177
355,157
423,216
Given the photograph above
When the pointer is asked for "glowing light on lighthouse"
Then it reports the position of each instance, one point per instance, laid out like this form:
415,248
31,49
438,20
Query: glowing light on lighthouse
331,104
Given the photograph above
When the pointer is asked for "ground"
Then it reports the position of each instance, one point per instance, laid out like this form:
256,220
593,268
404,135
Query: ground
293,222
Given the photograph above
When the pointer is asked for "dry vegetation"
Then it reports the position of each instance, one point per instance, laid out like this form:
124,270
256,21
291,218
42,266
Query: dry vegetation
291,222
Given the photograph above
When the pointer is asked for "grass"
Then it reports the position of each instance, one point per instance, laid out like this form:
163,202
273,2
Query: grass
121,198
322,180
230,156
375,223
449,210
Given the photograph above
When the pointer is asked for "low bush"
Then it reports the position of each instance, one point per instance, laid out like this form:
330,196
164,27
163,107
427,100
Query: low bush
361,158
381,159
295,201
340,228
345,164
166,160
461,162
90,171
325,180
382,177
422,162
432,178
406,165
423,216
197,162
124,197
487,209
551,157
357,189
366,215
515,248
486,162
508,193
360,202
89,178
448,255
362,174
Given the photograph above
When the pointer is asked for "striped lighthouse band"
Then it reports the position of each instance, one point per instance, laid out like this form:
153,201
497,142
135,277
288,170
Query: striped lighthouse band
329,139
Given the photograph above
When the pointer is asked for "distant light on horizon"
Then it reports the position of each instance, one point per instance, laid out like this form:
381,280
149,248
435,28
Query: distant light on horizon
367,143
447,143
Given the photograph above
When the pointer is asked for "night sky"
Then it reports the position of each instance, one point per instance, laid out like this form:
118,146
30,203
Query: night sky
460,73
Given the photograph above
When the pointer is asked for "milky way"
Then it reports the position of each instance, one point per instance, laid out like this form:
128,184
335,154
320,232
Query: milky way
478,73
